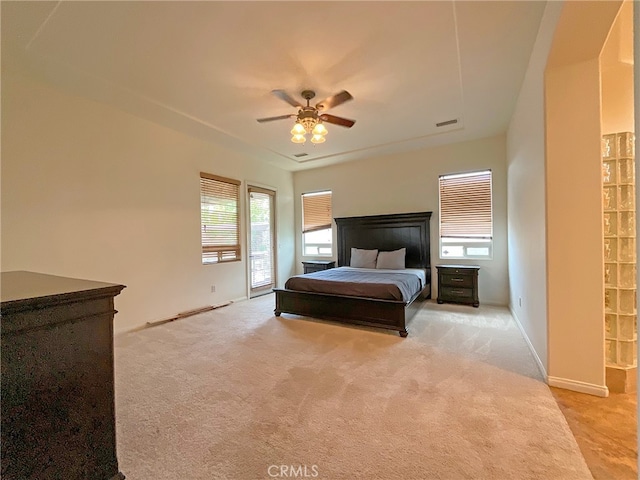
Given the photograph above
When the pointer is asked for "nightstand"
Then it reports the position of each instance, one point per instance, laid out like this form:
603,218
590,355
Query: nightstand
317,265
458,284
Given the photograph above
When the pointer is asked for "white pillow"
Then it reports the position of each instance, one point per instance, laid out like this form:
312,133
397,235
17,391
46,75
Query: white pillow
392,260
361,258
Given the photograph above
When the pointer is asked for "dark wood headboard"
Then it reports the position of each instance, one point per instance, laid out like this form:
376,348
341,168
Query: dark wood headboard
387,233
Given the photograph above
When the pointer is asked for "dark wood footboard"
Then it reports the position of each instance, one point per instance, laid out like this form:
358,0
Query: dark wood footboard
387,314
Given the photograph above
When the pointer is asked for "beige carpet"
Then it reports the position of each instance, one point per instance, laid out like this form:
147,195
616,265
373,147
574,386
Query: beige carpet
238,393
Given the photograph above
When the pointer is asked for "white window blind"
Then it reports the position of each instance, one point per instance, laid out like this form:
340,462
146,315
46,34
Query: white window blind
317,234
220,221
316,211
465,206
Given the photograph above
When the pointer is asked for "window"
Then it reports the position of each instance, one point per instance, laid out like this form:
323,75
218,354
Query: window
466,223
316,224
220,222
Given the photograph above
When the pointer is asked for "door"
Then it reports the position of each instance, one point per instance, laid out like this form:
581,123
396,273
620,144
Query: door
261,240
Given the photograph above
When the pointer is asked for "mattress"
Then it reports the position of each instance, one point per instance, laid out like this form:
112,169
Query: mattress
400,285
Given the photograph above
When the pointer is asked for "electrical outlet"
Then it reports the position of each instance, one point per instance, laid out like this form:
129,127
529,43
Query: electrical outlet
213,289
519,301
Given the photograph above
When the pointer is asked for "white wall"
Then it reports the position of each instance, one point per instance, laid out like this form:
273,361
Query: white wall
575,265
617,99
575,271
408,182
91,192
526,195
616,62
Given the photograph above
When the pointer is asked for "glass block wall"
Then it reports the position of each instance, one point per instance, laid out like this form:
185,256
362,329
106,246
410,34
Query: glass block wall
618,179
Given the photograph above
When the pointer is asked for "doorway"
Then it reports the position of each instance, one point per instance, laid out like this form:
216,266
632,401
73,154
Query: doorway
262,258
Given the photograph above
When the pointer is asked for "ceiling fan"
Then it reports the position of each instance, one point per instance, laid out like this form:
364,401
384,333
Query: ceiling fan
309,117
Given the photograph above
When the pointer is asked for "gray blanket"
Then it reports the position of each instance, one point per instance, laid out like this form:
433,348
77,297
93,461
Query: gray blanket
337,281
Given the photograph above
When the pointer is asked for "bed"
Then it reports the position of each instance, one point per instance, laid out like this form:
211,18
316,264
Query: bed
386,233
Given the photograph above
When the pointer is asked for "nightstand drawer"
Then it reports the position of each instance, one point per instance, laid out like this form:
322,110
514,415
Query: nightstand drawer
313,268
448,270
454,293
456,280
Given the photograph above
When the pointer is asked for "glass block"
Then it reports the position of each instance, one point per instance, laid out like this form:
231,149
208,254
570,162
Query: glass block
626,197
627,223
610,300
626,171
611,274
627,302
610,326
609,150
609,198
611,351
627,354
626,275
627,328
610,224
609,174
610,250
626,249
626,145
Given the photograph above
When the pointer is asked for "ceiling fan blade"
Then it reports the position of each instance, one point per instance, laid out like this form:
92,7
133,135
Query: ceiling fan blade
334,100
280,117
281,94
343,122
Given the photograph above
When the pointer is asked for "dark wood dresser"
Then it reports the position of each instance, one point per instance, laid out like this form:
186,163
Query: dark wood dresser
58,413
311,266
458,284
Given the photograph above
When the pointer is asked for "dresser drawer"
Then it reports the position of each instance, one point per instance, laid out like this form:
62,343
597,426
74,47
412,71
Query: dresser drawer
459,280
456,293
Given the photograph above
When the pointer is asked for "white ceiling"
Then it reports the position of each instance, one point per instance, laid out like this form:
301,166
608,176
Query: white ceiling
207,68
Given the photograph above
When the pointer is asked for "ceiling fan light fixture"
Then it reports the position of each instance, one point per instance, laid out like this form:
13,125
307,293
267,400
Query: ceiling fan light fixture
298,129
298,138
308,123
308,119
320,129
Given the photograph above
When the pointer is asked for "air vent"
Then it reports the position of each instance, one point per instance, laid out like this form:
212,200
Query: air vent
298,155
448,122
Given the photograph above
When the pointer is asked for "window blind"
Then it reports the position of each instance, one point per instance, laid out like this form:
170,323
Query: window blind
220,221
316,211
465,205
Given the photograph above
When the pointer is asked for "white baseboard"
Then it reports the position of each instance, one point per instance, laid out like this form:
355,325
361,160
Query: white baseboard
576,386
543,370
